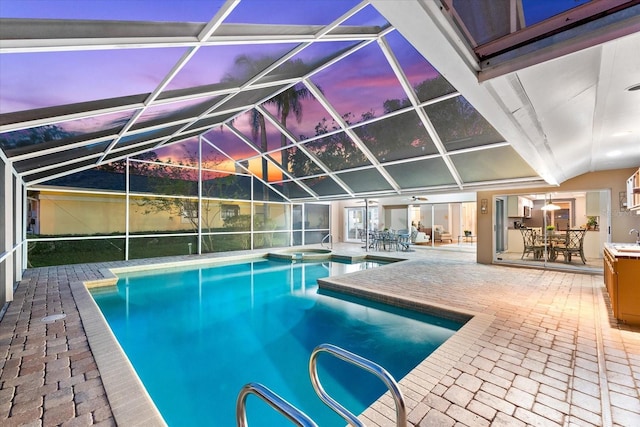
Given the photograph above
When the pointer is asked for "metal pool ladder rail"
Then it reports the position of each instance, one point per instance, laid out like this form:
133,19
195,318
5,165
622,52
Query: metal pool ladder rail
367,365
294,415
300,418
328,238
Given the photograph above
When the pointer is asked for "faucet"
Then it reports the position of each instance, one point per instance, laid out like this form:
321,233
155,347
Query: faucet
633,230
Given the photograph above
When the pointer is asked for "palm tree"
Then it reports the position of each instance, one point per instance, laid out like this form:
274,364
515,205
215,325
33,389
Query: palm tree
259,130
288,102
245,68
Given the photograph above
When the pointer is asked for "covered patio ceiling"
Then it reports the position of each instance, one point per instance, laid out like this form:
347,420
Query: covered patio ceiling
329,99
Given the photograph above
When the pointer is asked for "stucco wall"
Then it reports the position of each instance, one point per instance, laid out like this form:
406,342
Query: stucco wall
64,213
87,214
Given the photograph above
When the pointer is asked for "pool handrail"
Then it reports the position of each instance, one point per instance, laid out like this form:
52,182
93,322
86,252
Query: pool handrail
327,237
292,413
367,365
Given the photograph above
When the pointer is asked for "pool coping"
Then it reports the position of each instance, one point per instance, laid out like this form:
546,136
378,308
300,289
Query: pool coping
129,400
132,406
110,277
428,373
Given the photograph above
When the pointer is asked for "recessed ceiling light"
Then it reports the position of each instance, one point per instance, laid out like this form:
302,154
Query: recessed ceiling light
614,153
634,87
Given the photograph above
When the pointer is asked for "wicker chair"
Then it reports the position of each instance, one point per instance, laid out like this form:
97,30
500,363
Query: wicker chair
573,244
531,245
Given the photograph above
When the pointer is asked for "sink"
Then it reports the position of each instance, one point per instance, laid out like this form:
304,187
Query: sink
627,248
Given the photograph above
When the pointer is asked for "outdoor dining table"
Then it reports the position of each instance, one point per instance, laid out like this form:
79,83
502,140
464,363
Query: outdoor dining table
388,240
549,241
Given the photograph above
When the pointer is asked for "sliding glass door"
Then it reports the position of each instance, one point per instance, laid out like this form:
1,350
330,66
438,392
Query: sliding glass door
560,230
354,224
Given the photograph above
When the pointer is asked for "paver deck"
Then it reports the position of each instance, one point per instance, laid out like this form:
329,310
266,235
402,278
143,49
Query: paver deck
541,349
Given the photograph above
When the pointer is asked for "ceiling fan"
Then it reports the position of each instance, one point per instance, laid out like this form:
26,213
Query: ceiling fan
419,199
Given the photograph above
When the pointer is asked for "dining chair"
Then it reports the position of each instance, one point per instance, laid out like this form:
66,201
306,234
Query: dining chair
573,244
374,240
403,242
531,245
390,240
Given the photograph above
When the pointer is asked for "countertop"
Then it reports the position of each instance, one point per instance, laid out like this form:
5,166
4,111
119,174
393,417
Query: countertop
623,250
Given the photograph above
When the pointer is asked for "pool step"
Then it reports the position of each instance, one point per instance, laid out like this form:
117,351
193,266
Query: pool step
300,418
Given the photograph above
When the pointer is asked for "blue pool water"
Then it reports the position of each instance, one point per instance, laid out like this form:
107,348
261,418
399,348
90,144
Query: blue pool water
196,336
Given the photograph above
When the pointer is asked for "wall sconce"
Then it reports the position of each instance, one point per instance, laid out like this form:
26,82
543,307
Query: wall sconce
484,206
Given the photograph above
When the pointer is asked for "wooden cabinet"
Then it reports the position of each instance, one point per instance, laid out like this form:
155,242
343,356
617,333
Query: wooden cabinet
611,280
593,203
633,191
622,279
512,207
516,207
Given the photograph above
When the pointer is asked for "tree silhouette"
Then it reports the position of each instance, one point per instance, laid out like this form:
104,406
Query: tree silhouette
398,137
246,67
33,136
289,101
170,178
336,151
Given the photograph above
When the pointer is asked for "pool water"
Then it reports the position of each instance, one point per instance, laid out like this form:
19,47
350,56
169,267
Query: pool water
196,336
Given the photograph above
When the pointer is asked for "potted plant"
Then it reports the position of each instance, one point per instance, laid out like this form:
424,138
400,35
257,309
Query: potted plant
551,227
592,223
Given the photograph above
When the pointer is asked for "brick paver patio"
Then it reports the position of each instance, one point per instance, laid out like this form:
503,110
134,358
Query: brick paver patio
540,350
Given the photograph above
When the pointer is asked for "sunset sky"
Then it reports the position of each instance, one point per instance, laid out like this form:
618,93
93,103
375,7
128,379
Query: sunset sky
357,84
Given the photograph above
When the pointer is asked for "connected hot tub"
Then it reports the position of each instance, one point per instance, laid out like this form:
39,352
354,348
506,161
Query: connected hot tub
302,254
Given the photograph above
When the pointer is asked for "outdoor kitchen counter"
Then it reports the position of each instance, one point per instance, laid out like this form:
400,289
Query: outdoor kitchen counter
622,279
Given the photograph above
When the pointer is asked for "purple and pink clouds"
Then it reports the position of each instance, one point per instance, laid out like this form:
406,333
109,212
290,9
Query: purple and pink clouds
35,80
415,66
126,10
212,64
296,12
360,83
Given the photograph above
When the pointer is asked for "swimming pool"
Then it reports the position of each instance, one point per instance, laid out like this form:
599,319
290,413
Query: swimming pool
196,336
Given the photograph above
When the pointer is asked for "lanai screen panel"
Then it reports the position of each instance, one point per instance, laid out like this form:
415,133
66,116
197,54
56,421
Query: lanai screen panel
321,100
63,133
58,78
398,137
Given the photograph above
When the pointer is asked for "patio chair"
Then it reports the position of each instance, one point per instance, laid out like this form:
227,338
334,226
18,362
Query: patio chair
531,245
389,241
573,244
375,239
403,243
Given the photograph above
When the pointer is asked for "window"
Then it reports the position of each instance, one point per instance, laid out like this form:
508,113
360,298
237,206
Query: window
229,211
189,211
